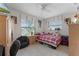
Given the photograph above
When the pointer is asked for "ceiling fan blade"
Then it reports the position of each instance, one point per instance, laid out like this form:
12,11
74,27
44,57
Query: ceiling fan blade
46,9
43,7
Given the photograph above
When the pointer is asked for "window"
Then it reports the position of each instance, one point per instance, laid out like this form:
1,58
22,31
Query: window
27,27
54,24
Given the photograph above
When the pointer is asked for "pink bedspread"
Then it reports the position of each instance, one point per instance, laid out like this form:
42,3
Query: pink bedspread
52,39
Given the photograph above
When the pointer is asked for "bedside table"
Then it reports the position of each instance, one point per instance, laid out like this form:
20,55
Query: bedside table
32,39
65,40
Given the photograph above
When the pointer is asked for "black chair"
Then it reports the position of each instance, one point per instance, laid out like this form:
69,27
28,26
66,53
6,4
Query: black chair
24,40
2,50
14,48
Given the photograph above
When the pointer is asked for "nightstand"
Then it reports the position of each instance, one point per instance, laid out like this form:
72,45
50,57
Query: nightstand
65,40
32,39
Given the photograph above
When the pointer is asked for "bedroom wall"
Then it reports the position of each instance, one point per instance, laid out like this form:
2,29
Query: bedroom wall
35,20
59,18
16,27
23,16
44,27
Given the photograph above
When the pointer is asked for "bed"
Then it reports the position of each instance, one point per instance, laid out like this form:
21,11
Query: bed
53,39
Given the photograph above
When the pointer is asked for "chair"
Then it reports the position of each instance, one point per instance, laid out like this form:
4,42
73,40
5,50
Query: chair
24,40
14,48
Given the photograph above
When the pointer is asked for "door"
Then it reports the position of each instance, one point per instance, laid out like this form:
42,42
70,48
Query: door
74,40
2,30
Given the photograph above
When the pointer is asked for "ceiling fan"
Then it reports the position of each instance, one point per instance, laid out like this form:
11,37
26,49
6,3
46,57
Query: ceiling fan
44,7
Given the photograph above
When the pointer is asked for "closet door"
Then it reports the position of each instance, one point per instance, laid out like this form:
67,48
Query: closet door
74,40
8,36
5,32
2,30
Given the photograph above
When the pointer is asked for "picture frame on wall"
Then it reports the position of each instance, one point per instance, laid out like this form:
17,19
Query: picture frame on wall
68,20
15,19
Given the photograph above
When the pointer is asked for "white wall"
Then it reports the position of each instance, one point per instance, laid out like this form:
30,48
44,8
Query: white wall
23,16
59,18
44,28
16,27
35,20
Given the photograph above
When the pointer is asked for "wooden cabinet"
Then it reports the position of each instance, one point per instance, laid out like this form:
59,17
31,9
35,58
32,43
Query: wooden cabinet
74,39
2,30
5,33
32,39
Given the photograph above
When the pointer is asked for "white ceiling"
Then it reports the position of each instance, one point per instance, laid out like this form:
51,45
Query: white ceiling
52,9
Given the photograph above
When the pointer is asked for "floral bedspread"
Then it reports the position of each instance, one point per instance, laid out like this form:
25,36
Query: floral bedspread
52,39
